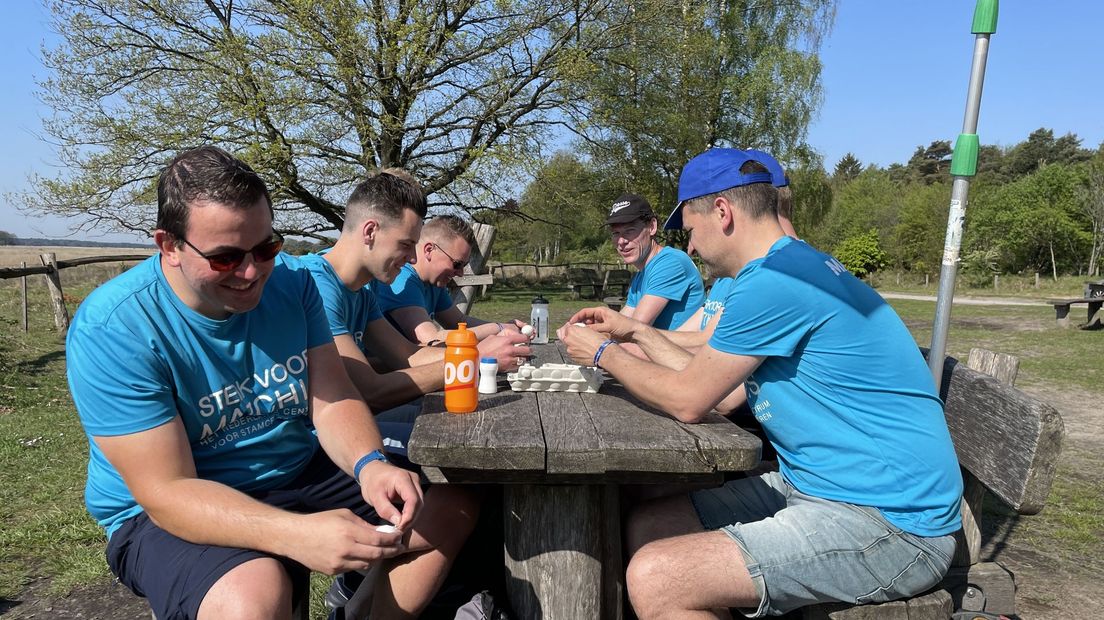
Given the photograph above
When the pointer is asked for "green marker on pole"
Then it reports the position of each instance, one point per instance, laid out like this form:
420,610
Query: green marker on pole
963,167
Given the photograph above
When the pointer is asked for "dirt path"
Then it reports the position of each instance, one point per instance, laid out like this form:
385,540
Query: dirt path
1055,582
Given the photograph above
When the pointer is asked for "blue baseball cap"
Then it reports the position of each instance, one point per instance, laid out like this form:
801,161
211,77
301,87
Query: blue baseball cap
713,171
778,176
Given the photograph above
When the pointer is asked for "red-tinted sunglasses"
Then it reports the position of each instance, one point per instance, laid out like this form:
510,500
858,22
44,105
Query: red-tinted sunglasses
229,260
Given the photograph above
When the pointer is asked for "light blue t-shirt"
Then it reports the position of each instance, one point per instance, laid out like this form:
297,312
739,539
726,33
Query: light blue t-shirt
844,394
348,312
408,290
138,357
715,302
670,274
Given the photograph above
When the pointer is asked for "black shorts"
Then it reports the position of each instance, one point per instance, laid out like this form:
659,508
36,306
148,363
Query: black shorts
175,575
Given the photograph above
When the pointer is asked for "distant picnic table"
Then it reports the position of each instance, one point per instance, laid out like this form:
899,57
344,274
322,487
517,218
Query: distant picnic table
561,458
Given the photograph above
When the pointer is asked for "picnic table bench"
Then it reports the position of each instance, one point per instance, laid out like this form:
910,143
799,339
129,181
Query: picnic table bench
1062,310
584,283
560,458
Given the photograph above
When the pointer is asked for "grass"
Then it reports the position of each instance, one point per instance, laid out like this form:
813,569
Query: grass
46,532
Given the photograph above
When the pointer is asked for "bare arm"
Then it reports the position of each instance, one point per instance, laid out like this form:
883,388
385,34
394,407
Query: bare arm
688,394
708,380
648,308
398,352
386,390
692,324
347,431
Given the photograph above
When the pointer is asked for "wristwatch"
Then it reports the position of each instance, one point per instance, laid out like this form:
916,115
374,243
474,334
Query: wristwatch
374,455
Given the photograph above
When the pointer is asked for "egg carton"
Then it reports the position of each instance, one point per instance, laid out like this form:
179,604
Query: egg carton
555,378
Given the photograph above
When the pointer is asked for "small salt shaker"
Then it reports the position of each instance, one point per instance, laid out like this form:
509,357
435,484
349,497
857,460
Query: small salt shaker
488,375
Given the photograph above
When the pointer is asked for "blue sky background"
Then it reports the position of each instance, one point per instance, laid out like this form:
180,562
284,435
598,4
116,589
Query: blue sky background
895,76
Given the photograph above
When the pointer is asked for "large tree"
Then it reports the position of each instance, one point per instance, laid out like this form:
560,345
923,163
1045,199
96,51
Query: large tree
686,76
313,94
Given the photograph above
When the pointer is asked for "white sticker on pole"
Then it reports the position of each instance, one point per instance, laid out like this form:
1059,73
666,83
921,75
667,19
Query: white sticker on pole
954,233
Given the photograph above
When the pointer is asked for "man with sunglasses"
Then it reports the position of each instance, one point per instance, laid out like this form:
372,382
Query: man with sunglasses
229,452
667,288
417,301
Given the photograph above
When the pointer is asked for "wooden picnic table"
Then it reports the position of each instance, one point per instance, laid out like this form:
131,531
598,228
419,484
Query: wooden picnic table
561,458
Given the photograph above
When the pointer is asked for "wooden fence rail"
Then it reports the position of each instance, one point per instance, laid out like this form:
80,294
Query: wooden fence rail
51,268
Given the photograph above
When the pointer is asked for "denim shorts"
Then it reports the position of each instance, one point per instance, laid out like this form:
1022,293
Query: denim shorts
802,550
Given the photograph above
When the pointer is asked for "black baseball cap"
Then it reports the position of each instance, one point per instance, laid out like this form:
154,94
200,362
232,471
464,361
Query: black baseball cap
629,208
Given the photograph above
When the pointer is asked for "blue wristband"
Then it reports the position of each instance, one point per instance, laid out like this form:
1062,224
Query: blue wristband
602,347
374,455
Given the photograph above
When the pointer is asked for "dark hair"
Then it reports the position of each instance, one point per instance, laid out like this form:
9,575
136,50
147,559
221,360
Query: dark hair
446,227
757,200
385,194
205,173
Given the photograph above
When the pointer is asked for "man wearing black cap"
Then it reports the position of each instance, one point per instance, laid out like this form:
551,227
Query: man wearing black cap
667,288
868,491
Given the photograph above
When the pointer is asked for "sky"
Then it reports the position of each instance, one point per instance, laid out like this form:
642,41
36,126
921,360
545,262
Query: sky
895,74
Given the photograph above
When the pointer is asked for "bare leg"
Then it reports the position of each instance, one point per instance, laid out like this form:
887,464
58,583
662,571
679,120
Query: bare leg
678,571
257,589
410,581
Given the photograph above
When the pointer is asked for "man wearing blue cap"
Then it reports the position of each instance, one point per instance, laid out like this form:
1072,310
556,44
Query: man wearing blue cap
867,495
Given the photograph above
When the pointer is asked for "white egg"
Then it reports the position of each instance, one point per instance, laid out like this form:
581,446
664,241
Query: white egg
526,330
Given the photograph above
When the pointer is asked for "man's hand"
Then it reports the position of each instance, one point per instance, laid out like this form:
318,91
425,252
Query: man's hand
582,343
337,541
604,320
383,484
510,348
514,325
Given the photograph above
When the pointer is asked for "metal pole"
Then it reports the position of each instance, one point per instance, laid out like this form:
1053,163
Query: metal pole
963,167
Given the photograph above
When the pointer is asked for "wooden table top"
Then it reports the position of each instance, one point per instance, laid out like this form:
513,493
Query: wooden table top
567,437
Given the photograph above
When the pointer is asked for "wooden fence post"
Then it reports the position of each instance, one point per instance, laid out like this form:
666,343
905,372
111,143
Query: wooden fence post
23,288
53,282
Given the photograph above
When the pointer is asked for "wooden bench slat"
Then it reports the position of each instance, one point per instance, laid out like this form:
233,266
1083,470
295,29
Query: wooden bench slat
1007,439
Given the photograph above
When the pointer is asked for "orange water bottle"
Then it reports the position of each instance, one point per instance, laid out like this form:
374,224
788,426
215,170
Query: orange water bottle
461,370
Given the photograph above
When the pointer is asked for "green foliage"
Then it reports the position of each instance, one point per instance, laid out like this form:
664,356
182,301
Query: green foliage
313,95
931,164
6,238
861,253
921,226
561,212
871,200
812,199
847,168
1035,222
695,75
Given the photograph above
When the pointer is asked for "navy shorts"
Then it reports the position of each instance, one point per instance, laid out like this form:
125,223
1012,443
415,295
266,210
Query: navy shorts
175,575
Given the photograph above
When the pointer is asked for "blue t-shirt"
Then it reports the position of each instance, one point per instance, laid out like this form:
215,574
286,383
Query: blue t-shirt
137,357
408,290
844,394
715,302
670,274
348,312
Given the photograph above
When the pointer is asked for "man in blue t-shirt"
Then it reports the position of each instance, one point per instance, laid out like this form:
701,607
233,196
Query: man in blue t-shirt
346,277
667,288
229,452
868,491
418,302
